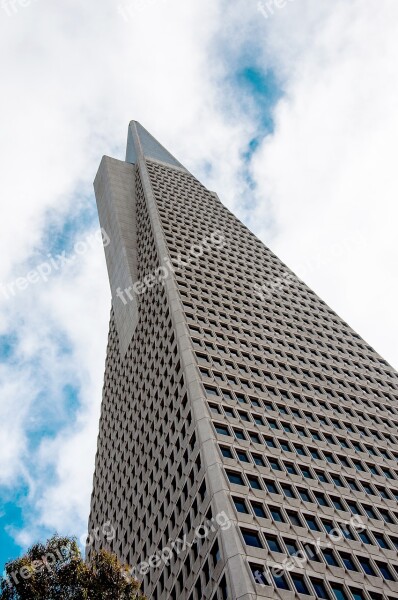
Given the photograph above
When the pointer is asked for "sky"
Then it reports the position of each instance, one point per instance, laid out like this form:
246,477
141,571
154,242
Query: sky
287,109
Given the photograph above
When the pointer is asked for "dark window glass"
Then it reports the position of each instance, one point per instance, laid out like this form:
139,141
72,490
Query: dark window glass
258,574
348,561
258,510
242,456
222,430
291,546
271,487
251,538
258,460
320,590
281,582
329,557
299,584
276,514
311,522
288,491
226,452
235,478
240,505
366,566
273,544
294,519
254,482
385,571
339,592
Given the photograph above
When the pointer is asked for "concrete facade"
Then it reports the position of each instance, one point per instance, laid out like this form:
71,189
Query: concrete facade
236,401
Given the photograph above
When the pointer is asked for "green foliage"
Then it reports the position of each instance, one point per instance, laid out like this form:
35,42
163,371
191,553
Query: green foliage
57,571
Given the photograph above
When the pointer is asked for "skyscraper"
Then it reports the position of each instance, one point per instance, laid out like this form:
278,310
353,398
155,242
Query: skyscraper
248,439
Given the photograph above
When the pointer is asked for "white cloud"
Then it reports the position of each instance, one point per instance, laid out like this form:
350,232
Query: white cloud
329,170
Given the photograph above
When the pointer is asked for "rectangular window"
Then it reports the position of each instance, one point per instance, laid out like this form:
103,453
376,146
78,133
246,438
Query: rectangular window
299,584
273,543
251,538
235,478
258,510
240,505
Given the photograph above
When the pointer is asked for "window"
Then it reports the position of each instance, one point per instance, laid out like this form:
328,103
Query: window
304,495
311,522
299,584
242,456
258,510
214,408
385,571
254,482
290,468
258,574
306,472
337,503
273,544
235,478
274,464
369,511
288,491
240,505
364,537
251,538
329,557
258,460
366,566
320,590
294,519
348,561
291,546
221,429
276,514
357,594
226,452
339,592
255,438
210,391
280,582
321,499
381,540
271,487
239,434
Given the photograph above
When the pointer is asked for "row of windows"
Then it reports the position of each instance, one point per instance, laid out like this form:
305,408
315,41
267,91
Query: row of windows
333,558
274,463
260,483
335,529
240,337
287,426
246,457
337,407
311,586
258,509
315,416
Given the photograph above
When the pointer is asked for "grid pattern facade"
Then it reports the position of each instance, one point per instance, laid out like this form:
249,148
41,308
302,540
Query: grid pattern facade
273,409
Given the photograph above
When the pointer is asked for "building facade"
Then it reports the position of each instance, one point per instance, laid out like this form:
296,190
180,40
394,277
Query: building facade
248,442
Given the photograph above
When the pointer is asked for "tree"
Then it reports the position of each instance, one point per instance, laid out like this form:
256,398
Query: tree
57,571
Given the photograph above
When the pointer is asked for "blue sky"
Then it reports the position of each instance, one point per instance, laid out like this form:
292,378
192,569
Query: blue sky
291,120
